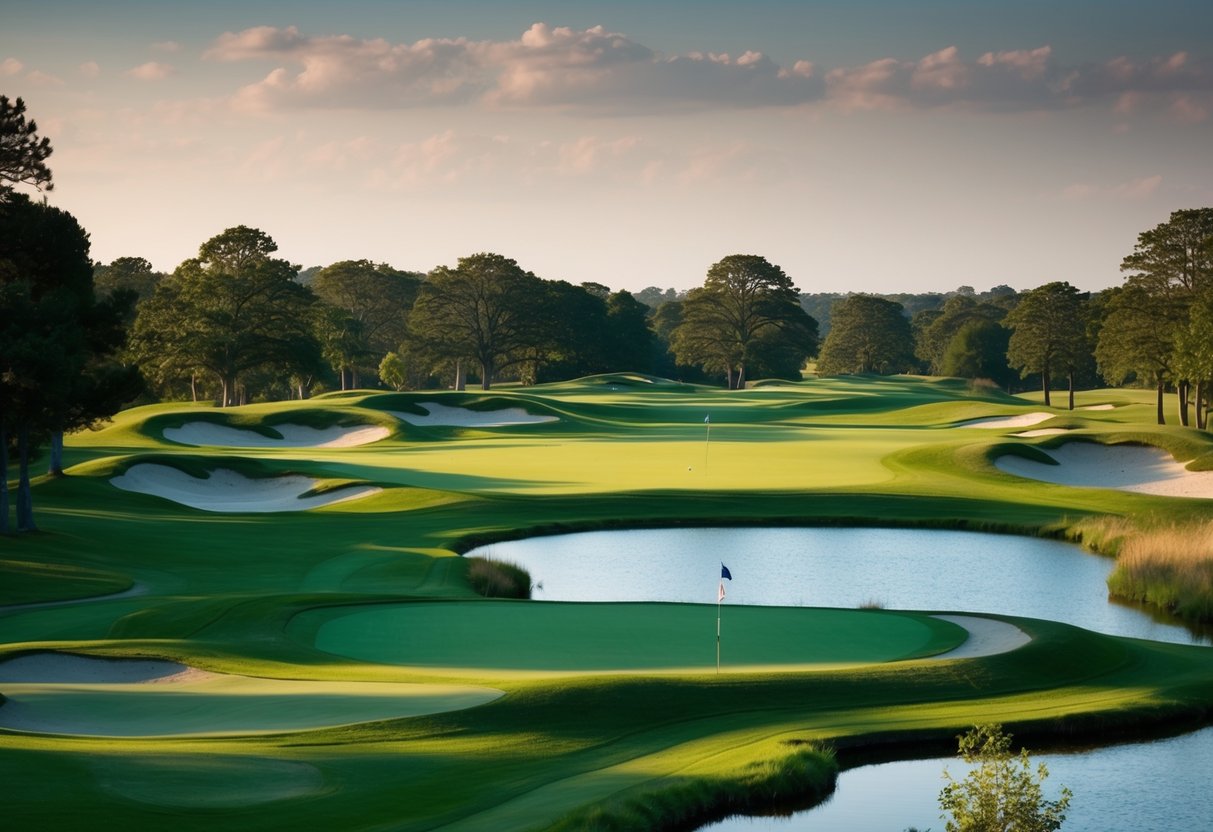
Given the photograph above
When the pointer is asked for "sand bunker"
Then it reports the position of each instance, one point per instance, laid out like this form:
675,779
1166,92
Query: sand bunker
1021,421
441,415
293,436
227,490
1138,468
1042,432
1099,407
987,637
61,693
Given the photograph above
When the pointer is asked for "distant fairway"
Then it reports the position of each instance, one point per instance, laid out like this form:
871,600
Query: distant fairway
604,637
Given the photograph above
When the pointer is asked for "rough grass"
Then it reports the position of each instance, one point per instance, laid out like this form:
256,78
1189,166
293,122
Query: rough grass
1170,568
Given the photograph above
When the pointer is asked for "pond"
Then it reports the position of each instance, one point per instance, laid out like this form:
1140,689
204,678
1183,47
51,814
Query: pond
1159,785
893,568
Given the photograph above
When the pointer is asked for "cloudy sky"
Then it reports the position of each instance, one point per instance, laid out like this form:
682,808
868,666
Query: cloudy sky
868,146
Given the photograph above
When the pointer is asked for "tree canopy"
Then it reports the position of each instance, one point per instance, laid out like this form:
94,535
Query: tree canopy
23,153
1049,334
483,310
56,367
231,310
868,335
746,312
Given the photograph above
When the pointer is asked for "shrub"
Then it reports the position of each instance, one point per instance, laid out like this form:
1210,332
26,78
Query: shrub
498,579
1002,793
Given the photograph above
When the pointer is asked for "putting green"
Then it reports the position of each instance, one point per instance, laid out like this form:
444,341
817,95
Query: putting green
504,635
222,705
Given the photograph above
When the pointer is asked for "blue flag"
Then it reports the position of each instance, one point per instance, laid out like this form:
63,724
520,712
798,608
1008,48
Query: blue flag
708,418
724,572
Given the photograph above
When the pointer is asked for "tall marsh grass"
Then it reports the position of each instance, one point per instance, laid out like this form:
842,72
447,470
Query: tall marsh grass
1169,567
498,579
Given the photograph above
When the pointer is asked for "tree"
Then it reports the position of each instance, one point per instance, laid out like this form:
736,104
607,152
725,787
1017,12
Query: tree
934,329
133,274
978,350
1194,353
746,308
393,371
1048,334
868,334
630,341
376,298
231,310
569,333
56,368
1003,793
1173,263
1137,339
483,310
22,153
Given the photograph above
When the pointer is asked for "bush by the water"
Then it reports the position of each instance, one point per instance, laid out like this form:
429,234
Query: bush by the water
498,579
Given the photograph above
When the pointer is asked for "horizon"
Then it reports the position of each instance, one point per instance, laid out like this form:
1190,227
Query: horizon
872,149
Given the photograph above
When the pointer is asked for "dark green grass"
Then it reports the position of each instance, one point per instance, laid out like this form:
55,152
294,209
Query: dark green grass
566,637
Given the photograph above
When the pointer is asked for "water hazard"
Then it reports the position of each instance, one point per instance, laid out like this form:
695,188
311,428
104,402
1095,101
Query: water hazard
1146,786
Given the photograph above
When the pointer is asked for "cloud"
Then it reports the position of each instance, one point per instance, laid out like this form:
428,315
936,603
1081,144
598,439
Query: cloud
1026,80
166,46
1141,188
596,70
545,67
151,71
43,79
11,66
90,69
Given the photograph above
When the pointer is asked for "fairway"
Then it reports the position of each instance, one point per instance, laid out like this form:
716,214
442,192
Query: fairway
623,637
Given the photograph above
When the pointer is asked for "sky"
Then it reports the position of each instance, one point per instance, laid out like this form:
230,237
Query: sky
880,146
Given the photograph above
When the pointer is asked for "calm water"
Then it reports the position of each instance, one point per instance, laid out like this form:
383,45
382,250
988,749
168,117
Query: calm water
900,569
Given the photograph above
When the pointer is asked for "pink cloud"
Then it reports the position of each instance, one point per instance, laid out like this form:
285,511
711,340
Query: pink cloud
151,71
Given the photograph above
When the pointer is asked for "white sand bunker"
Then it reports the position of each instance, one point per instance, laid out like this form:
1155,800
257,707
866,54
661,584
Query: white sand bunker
1099,407
1138,468
293,436
1021,421
61,693
227,490
441,415
1042,432
987,637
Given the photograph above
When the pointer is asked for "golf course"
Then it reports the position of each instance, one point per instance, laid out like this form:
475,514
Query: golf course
260,617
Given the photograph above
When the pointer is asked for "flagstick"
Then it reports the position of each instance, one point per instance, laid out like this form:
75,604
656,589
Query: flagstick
707,439
718,633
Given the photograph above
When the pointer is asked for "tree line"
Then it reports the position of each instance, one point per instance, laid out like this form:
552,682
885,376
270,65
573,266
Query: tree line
1154,330
237,323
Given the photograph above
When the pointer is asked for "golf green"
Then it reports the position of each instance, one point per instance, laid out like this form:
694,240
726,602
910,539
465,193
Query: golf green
529,636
